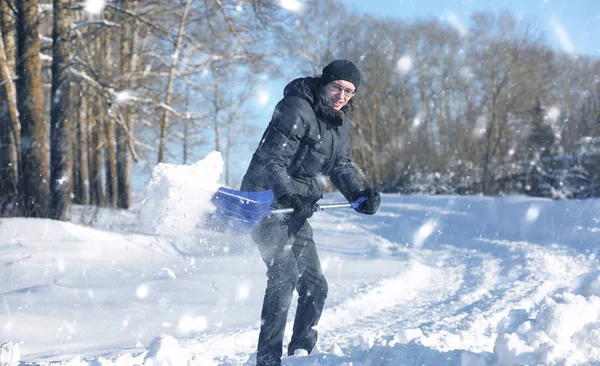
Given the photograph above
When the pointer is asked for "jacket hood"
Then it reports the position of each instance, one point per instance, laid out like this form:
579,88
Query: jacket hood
308,89
303,87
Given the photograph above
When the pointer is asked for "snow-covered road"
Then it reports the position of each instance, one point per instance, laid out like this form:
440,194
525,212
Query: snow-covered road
428,280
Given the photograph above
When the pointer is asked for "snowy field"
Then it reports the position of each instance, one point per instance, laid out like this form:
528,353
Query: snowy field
429,280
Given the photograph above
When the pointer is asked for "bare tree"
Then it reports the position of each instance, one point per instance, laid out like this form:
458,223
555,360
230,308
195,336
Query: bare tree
172,73
83,193
34,177
125,132
96,142
111,143
498,53
10,128
60,129
9,124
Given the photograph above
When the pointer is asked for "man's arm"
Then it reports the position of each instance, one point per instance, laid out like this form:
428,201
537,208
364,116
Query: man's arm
343,175
281,141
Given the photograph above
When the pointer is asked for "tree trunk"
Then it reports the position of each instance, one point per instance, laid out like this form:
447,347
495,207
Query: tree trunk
165,118
34,177
111,149
217,106
82,157
186,129
111,162
9,126
95,153
60,137
125,132
75,117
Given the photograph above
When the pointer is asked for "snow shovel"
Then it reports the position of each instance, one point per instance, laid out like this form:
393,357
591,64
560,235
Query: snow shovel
240,212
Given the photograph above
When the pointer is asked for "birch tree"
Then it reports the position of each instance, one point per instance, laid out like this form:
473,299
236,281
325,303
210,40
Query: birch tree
110,135
125,131
164,125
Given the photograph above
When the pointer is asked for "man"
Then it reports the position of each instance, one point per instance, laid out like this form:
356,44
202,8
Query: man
307,137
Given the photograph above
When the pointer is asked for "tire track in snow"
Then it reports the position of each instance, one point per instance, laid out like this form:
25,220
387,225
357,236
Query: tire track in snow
419,284
492,285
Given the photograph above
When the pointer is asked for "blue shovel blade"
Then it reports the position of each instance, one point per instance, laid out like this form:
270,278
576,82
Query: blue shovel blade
239,212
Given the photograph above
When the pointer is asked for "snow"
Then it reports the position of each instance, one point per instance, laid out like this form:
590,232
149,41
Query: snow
404,64
123,96
263,97
94,6
428,280
291,5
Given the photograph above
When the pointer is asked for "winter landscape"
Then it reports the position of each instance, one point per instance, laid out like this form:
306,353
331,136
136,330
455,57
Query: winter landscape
429,280
479,121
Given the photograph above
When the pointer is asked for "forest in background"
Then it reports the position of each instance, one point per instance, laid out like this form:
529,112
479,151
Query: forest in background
87,93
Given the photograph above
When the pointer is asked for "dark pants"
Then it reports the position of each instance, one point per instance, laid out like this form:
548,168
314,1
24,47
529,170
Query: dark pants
292,263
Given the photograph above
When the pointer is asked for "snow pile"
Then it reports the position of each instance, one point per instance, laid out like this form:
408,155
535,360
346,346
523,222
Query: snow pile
563,329
9,354
166,351
178,196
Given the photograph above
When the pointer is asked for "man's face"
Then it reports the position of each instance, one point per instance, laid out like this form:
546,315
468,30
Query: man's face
339,93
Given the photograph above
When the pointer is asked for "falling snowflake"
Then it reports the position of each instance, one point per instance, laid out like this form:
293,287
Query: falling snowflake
94,6
263,97
553,113
291,5
532,213
404,65
141,292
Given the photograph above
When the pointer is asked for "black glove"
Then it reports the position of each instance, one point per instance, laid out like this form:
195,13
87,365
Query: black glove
303,209
369,201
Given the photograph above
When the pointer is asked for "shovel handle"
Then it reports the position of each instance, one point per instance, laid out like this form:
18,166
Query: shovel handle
318,208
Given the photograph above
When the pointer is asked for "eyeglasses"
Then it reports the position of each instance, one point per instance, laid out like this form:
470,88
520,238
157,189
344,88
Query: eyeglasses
339,89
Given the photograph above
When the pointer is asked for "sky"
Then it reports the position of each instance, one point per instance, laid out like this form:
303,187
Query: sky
428,280
570,25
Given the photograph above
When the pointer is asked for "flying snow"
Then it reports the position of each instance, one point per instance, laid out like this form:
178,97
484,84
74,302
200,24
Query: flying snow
60,263
291,5
94,6
123,96
417,120
404,65
553,113
243,291
532,213
189,324
142,291
263,97
423,233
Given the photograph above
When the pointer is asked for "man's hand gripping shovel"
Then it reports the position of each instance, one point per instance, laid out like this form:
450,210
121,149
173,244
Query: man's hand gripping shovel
239,212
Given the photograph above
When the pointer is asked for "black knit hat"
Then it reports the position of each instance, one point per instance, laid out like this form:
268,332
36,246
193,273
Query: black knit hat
341,70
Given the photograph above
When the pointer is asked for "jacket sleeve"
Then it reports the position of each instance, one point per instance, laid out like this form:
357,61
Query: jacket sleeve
343,175
281,141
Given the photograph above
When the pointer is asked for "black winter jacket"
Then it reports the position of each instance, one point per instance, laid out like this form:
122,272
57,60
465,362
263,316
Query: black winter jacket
301,144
